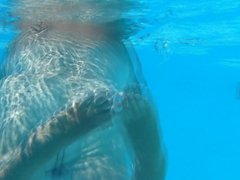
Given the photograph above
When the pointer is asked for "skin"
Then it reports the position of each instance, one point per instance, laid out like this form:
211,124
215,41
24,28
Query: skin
61,82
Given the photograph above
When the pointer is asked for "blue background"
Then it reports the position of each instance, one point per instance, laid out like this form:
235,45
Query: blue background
198,100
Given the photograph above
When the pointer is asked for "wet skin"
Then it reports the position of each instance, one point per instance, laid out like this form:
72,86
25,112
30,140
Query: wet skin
74,73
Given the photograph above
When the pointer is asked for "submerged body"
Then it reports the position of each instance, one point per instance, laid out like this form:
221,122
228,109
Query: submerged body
73,107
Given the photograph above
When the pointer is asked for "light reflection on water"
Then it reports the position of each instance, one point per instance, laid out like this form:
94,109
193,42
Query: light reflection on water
184,35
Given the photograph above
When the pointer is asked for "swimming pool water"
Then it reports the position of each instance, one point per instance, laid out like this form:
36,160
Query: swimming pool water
191,60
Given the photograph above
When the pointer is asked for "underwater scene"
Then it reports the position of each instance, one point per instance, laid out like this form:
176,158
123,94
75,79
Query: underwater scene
119,89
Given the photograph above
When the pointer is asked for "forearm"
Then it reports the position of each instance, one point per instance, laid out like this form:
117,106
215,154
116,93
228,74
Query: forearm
43,143
53,135
148,149
141,122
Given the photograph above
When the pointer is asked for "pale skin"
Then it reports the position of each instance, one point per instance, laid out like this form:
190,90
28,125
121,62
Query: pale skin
137,116
60,131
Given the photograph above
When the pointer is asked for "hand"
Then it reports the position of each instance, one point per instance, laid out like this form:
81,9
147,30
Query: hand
93,110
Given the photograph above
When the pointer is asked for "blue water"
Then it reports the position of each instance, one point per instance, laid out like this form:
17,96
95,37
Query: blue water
191,61
196,87
198,101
